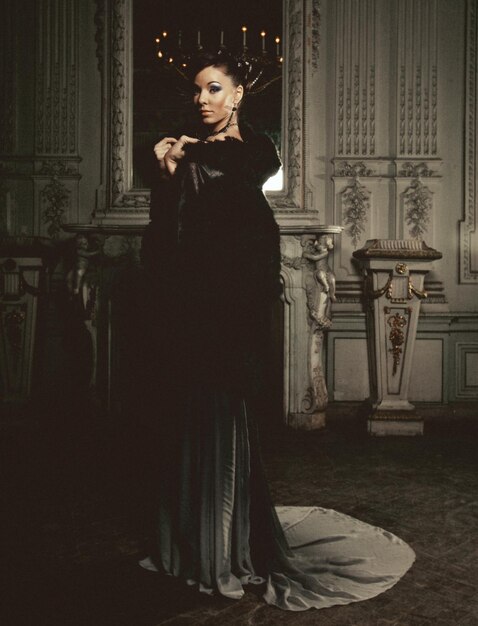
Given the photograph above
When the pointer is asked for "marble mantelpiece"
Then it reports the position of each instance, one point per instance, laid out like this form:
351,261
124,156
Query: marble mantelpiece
308,280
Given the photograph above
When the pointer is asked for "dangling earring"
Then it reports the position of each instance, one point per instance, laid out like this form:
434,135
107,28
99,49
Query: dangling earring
234,108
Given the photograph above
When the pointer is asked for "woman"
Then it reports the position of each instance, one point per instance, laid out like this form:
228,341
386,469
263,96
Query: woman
212,249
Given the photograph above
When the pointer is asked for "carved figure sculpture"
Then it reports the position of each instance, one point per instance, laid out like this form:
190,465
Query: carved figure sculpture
84,253
320,281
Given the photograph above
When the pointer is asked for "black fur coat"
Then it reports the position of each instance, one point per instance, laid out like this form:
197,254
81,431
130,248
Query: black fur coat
211,252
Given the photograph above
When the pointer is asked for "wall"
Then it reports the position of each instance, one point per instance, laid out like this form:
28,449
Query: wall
400,78
390,152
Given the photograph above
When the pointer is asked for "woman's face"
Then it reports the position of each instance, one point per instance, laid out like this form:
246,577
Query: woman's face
214,95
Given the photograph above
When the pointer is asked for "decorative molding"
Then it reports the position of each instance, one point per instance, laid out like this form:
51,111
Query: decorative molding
294,105
417,88
5,208
55,199
8,77
415,170
57,56
468,226
100,23
355,77
117,201
294,263
466,358
56,168
315,33
417,199
355,207
14,321
7,169
386,168
13,328
396,337
352,170
119,100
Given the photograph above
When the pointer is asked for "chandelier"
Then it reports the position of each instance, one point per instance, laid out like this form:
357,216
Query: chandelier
260,52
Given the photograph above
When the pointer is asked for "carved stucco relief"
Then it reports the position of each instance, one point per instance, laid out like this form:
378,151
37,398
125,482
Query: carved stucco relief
8,120
468,226
355,77
57,78
417,102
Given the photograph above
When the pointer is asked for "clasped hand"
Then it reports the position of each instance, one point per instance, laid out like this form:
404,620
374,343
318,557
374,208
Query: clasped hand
169,151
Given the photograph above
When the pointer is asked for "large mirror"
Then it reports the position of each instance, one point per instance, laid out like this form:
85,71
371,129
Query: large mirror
166,35
138,107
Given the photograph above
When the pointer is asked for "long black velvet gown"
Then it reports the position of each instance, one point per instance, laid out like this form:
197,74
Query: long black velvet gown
212,253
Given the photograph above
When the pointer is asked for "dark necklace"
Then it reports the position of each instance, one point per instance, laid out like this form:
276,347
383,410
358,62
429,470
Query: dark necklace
222,130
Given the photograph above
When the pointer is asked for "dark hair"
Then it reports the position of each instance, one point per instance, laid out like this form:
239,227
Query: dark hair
237,69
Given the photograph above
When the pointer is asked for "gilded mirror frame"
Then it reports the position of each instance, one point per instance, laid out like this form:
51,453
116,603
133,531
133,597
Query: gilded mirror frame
118,203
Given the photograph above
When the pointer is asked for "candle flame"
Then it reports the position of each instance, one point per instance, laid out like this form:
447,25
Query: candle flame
263,33
157,40
244,29
165,34
277,39
160,54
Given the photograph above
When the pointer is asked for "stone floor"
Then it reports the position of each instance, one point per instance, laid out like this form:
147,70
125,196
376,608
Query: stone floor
76,504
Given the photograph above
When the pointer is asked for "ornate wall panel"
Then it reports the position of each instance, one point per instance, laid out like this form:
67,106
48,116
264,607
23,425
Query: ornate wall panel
8,117
8,61
417,80
355,77
466,369
56,55
395,193
468,226
56,165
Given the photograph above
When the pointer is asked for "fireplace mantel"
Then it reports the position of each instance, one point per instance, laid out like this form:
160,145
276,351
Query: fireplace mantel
308,293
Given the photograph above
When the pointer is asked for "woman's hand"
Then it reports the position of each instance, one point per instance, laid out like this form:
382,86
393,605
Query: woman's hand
175,152
161,149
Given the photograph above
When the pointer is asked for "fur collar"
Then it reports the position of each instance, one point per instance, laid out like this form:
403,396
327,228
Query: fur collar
254,159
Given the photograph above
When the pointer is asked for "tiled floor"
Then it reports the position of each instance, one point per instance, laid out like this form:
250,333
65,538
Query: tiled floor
77,505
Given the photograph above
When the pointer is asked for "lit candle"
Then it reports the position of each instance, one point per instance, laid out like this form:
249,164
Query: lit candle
160,54
222,37
199,37
157,40
244,35
277,45
165,34
263,35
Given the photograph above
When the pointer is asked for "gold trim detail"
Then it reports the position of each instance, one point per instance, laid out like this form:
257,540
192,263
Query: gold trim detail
13,321
379,292
413,290
397,338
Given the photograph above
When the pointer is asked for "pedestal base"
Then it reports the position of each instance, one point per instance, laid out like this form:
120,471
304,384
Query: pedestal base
395,423
306,421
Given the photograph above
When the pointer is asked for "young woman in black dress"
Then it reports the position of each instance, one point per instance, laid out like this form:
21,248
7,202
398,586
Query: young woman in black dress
212,252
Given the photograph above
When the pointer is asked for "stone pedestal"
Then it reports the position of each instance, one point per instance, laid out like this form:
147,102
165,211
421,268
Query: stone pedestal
394,277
